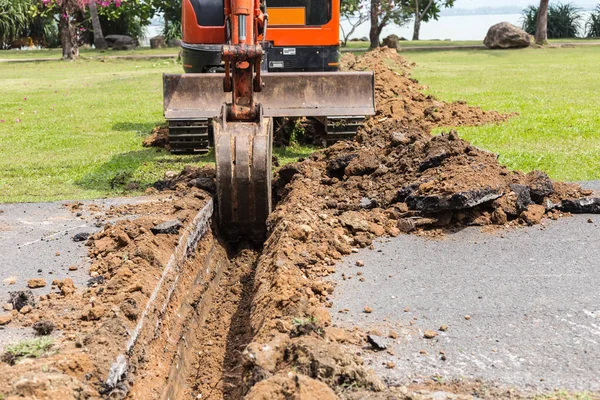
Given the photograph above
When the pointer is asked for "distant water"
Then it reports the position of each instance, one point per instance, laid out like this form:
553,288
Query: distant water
458,27
453,27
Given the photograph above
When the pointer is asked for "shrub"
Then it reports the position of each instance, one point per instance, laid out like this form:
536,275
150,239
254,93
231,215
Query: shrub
592,26
563,20
14,19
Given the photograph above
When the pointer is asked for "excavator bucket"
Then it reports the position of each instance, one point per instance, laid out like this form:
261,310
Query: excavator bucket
190,97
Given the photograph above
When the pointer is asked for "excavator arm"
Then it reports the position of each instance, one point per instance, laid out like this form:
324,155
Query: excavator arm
241,103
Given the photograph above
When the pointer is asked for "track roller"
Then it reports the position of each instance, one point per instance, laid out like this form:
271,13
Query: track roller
341,128
187,137
243,159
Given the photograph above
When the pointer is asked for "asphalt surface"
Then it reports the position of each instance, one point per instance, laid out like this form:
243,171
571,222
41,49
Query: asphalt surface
532,297
36,241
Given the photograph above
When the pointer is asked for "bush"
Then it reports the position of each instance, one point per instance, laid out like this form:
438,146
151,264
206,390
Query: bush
563,20
592,26
14,19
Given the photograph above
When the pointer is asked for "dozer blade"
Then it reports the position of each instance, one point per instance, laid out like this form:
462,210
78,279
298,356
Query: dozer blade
302,94
243,156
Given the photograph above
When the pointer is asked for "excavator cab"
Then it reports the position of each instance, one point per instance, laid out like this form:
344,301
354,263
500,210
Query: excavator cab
248,62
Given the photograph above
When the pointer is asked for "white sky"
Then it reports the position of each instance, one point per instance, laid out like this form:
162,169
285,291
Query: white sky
507,3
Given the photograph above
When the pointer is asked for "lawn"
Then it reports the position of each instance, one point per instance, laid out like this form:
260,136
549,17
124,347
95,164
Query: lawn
74,130
555,92
448,43
86,53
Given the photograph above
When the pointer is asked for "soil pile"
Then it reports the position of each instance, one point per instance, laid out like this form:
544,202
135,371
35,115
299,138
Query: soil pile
394,178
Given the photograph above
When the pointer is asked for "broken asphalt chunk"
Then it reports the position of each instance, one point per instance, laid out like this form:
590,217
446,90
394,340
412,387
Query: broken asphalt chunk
377,342
81,237
590,205
166,228
456,201
22,298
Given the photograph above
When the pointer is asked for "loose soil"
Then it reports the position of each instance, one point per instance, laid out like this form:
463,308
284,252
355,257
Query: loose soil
256,324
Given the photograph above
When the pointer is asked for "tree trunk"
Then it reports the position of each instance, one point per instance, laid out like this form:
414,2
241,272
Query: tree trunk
417,28
541,31
99,41
374,31
68,33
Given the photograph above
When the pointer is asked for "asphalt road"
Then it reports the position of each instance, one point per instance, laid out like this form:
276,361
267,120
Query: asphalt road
36,241
532,294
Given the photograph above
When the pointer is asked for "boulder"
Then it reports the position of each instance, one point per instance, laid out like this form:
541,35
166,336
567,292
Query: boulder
158,42
506,36
120,42
391,41
174,43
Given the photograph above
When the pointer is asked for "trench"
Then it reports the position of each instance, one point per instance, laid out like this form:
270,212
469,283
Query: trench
198,352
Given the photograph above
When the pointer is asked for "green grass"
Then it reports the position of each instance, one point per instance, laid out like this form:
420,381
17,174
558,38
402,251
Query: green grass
30,348
85,53
449,43
81,129
555,92
564,395
422,43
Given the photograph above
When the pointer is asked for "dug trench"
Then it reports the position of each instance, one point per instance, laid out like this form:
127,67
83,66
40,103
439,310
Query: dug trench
177,313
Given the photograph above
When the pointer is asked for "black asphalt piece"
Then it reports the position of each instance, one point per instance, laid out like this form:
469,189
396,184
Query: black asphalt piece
520,307
523,196
377,342
581,206
81,237
95,281
21,298
43,328
167,228
457,201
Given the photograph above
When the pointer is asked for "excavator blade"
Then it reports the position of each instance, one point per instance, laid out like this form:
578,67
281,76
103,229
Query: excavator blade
302,94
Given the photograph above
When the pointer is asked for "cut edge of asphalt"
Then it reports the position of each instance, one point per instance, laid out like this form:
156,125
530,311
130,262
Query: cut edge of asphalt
185,247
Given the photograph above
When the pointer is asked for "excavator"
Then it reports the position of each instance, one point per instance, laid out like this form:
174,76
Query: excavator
247,62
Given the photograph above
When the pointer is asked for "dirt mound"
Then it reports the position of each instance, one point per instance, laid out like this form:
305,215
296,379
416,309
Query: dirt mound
158,138
396,177
399,97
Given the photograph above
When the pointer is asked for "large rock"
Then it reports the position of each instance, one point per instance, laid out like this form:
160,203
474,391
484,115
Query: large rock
158,42
391,41
506,36
120,42
174,43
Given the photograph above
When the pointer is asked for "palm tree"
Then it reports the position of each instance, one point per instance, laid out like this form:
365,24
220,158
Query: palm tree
99,41
541,32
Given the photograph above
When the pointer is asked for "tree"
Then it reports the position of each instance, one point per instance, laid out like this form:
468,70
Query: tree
99,40
355,12
562,21
541,31
67,12
385,12
425,10
592,26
